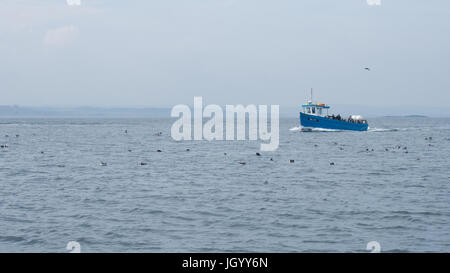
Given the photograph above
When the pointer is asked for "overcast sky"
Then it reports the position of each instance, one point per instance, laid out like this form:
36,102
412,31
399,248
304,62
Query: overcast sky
162,53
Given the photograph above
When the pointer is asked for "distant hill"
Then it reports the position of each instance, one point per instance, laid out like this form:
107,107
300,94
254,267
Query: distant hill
18,111
159,112
407,116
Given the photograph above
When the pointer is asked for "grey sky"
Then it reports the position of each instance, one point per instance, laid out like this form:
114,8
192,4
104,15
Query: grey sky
162,53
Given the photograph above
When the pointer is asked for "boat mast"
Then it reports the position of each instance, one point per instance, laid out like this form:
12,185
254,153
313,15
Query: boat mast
311,95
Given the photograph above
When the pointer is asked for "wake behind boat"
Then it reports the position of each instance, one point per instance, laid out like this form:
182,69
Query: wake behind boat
313,116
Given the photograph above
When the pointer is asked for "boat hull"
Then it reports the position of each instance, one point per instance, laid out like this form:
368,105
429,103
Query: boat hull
311,121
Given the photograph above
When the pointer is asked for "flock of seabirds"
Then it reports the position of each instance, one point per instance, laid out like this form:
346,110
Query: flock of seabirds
398,147
4,146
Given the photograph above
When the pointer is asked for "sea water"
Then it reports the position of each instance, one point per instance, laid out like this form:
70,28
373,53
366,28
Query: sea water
344,189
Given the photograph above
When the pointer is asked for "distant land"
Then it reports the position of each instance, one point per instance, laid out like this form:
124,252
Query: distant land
164,112
407,116
18,111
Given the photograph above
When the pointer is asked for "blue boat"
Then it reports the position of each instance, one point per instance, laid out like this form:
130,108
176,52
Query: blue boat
315,115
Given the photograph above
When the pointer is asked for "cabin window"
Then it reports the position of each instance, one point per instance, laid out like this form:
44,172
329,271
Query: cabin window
308,110
319,111
313,110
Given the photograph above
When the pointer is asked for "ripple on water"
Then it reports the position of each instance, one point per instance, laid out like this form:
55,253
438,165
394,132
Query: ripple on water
203,200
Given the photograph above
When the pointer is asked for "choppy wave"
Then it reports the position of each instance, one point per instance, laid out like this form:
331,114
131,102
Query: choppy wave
382,129
299,128
54,189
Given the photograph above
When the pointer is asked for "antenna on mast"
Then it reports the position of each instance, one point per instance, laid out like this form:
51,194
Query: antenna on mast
311,95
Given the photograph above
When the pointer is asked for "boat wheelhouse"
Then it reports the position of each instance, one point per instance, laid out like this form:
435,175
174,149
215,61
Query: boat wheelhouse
315,115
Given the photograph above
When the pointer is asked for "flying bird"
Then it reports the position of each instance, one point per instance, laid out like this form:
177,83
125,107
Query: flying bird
366,68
